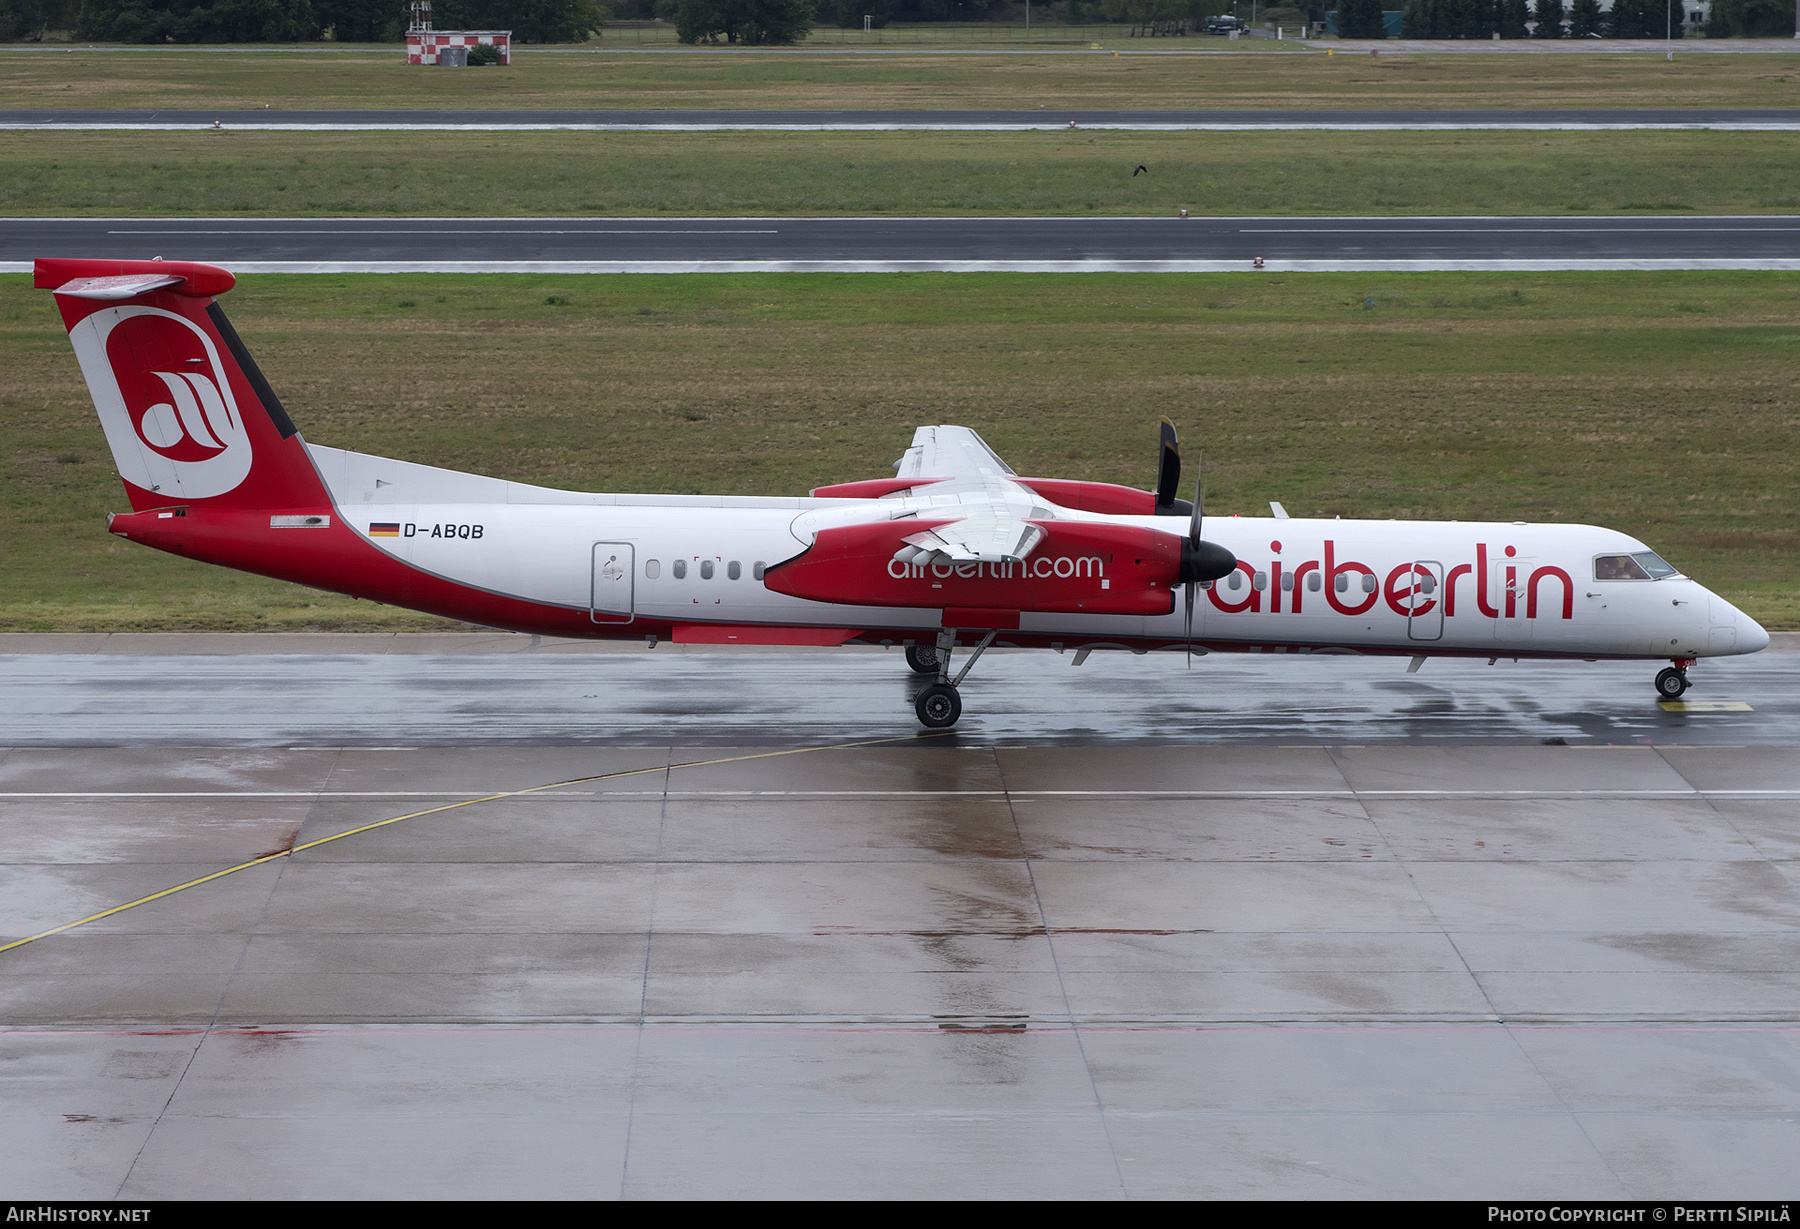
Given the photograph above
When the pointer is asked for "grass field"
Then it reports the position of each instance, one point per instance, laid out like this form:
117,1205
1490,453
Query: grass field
135,78
1660,404
903,174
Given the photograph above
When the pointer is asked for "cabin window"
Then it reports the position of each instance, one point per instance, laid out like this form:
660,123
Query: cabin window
652,569
681,569
1427,582
758,568
1260,581
1343,583
1644,565
734,569
1313,583
1368,582
1287,583
1235,581
706,569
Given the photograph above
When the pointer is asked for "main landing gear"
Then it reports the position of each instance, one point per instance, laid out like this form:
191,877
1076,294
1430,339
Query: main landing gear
1671,681
940,704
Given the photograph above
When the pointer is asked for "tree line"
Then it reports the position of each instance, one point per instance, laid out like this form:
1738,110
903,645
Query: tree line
288,21
1482,19
787,21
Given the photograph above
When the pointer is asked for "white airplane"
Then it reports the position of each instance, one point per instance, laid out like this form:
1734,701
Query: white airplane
955,550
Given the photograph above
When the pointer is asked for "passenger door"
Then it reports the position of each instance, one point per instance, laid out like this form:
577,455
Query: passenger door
615,567
1425,601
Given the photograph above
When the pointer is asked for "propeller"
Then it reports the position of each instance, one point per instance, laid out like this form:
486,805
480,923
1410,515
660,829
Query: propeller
1200,559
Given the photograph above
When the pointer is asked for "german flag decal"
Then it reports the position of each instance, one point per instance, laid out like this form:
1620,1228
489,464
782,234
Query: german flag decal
385,529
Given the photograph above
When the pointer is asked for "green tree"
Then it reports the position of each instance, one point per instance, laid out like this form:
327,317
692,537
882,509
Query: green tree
531,21
1460,18
849,14
1510,19
1361,19
1549,19
361,21
30,20
1626,19
1152,12
184,21
1584,18
751,22
1751,19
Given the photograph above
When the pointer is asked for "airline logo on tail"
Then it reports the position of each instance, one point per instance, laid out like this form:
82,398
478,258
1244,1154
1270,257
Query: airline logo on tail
164,401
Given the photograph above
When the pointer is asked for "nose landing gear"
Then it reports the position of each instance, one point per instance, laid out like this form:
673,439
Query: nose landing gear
1672,681
939,705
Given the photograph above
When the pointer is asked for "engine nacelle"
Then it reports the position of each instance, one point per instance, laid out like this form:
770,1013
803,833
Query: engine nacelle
1079,567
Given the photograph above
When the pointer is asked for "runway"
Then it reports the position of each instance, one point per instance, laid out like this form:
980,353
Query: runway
664,245
1769,119
518,921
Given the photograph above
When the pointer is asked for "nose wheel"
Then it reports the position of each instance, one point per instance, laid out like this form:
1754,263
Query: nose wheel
938,706
922,658
1671,682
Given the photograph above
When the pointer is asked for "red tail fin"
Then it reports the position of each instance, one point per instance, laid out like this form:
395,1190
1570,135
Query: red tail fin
189,417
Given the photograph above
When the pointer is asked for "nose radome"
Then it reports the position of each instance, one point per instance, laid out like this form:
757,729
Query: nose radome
1733,631
1751,636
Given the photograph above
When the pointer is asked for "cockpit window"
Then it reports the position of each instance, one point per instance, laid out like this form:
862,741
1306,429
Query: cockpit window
1644,565
1618,567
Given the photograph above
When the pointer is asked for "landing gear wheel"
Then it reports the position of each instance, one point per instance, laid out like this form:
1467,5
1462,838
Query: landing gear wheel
922,658
1671,682
938,706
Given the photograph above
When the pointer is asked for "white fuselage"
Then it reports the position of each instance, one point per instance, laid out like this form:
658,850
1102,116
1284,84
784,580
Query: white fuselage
1371,586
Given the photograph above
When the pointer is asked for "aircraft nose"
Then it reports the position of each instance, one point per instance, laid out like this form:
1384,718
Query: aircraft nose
1732,631
1751,636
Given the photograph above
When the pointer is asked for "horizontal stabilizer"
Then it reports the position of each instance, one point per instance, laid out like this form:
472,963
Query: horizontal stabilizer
126,279
129,286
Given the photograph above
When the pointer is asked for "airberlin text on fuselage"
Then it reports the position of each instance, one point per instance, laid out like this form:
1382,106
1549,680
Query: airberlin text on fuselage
1042,567
1411,589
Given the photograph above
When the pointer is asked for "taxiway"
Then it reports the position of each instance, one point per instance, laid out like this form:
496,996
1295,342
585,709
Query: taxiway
516,922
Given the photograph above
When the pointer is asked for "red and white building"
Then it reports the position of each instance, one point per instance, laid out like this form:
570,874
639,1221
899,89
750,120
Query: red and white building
424,46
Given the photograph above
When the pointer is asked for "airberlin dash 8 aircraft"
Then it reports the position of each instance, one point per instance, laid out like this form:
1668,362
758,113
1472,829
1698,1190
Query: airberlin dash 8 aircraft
955,550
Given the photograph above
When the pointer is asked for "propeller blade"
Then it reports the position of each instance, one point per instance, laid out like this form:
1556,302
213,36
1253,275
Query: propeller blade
1187,623
1168,468
1200,559
1199,499
1187,627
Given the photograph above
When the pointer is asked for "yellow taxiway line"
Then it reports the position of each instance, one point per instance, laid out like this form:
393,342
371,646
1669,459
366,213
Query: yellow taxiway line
449,806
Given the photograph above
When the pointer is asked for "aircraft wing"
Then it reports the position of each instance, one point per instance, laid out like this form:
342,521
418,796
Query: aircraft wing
950,452
991,526
974,486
